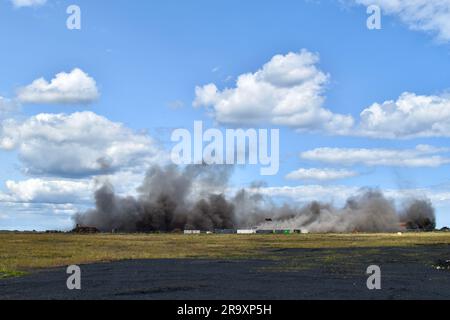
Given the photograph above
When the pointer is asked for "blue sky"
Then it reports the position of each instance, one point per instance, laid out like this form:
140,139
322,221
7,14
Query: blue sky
142,61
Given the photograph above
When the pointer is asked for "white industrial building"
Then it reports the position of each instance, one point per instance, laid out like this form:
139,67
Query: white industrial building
248,231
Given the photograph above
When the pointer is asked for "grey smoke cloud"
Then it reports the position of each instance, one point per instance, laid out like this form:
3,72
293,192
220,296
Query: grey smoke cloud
171,198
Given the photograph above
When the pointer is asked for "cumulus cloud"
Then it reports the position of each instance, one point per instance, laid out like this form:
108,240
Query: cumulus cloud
324,174
424,15
411,116
44,204
76,145
48,191
288,91
50,203
75,87
38,216
28,3
421,156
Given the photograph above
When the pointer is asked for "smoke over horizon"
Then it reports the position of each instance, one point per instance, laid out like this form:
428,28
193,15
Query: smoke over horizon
193,198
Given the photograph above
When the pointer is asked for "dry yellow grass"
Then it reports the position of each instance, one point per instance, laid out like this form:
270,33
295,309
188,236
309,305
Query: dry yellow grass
24,252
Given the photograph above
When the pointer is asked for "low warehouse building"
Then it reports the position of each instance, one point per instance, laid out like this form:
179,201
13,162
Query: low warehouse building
85,229
264,231
225,231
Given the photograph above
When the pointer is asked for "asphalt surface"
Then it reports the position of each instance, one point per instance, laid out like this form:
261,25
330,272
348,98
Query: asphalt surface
407,273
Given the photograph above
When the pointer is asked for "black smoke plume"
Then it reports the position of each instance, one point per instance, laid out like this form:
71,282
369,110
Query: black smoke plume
169,199
419,215
194,198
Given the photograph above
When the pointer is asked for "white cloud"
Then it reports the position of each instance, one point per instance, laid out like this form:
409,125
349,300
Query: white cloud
28,3
320,174
288,91
50,203
48,191
421,156
77,145
38,216
411,116
44,204
75,87
70,191
424,15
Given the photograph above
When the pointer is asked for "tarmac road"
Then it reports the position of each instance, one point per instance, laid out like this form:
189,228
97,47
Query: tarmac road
407,273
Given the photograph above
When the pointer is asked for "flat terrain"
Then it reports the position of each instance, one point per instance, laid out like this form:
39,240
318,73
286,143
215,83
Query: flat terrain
224,266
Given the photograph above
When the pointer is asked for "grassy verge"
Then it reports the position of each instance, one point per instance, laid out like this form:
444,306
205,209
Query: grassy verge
4,274
24,252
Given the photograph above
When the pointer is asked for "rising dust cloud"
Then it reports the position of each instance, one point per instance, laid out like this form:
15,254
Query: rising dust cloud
193,198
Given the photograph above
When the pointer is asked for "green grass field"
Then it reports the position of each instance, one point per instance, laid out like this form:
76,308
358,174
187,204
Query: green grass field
21,253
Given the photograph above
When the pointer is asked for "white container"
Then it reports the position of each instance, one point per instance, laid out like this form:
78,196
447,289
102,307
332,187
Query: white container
192,231
246,232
